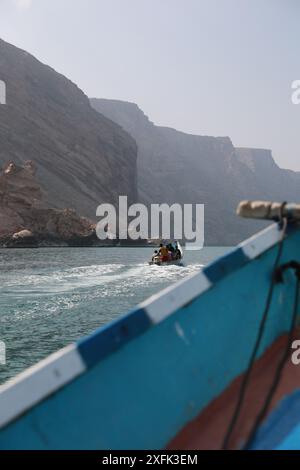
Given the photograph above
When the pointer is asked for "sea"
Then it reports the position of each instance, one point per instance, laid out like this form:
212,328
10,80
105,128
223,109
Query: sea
51,297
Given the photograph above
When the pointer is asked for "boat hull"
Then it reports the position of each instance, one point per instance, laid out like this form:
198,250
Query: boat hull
177,262
140,381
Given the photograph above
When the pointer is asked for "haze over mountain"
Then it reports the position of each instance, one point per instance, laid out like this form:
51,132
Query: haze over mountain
85,156
178,167
82,158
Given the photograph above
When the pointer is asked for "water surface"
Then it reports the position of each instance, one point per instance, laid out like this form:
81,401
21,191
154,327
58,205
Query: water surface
52,296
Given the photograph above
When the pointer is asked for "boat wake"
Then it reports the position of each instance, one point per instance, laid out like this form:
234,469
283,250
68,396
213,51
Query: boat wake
49,298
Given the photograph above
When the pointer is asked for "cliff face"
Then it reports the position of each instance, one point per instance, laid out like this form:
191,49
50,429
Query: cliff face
82,157
86,155
178,167
27,219
264,177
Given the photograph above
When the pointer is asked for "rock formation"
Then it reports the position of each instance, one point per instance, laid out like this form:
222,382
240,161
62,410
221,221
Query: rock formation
85,155
82,158
178,167
27,219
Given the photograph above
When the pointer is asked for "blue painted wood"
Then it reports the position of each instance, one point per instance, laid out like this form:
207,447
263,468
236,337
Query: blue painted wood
226,265
282,428
292,440
106,340
144,392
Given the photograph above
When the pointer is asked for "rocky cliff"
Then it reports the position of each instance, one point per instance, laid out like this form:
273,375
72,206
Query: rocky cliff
82,157
27,219
178,167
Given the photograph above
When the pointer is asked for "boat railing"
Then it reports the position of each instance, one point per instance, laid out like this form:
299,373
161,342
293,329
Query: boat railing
268,210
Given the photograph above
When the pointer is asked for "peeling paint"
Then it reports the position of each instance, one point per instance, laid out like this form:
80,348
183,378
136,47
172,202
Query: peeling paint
181,333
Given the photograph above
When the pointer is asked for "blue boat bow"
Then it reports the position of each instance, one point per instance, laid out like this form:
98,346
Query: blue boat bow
147,380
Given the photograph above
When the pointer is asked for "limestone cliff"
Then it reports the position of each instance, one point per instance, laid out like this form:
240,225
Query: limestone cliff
26,219
83,158
178,167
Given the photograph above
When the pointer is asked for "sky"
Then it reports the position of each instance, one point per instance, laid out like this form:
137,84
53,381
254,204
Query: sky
208,67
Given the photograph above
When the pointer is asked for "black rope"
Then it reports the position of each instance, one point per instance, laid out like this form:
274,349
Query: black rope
281,364
237,410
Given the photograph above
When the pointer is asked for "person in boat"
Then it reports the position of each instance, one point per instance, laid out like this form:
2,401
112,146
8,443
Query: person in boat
163,252
170,247
155,255
171,251
177,251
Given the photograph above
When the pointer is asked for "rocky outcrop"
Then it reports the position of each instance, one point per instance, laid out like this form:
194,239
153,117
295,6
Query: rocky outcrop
85,155
27,219
83,158
178,167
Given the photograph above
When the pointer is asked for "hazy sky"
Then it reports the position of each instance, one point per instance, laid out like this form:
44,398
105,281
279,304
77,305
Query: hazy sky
211,67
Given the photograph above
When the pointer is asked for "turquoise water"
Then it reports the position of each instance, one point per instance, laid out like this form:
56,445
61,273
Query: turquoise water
51,297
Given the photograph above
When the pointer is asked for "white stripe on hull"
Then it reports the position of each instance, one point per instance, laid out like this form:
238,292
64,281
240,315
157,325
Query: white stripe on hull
39,381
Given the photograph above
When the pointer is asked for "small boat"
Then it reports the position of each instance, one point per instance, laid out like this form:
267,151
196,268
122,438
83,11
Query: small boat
157,261
210,363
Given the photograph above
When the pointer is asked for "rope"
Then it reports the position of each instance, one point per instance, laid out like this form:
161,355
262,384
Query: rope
237,410
280,366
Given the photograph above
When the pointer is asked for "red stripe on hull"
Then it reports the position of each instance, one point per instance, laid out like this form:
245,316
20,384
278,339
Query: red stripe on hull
207,431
